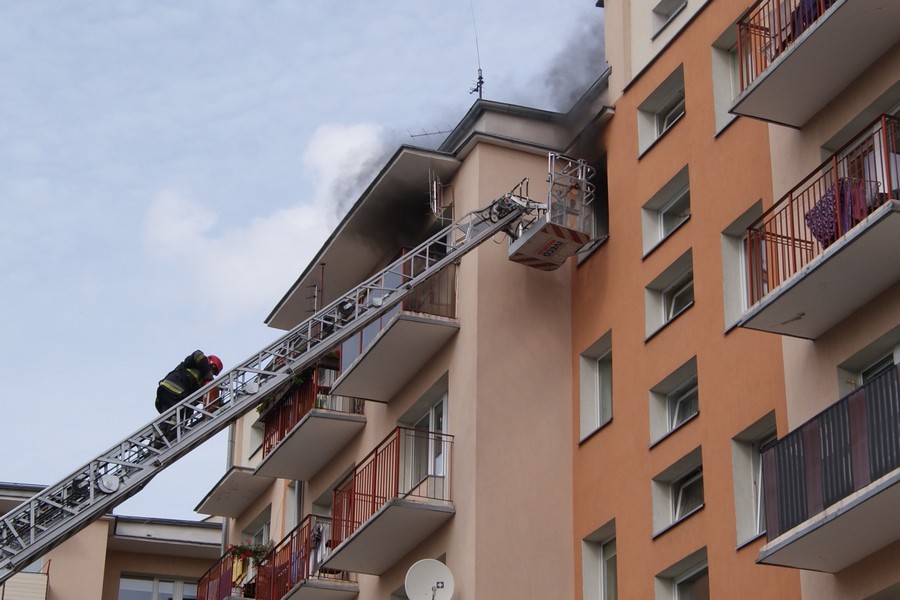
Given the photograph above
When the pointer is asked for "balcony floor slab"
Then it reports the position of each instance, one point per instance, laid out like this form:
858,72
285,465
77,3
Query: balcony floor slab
842,534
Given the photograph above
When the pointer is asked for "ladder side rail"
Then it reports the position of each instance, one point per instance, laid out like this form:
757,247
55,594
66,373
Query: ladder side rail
59,511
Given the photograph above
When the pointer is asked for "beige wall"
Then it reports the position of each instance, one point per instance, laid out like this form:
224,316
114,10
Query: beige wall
76,566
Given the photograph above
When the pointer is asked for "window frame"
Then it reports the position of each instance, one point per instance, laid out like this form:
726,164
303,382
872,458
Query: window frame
674,401
596,386
676,291
679,486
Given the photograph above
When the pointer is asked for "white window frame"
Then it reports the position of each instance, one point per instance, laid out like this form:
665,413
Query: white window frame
734,265
670,112
178,587
664,396
688,391
749,494
726,76
596,386
657,211
677,292
663,293
609,575
661,110
757,448
682,485
664,12
669,488
599,570
435,419
674,213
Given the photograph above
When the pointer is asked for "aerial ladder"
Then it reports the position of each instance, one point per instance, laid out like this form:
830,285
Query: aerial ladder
61,510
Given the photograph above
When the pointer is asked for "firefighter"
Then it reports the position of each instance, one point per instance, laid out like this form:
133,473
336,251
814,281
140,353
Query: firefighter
194,372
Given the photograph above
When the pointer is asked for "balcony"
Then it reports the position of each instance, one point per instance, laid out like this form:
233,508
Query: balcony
822,251
306,425
293,569
832,486
219,581
391,502
233,493
795,56
382,357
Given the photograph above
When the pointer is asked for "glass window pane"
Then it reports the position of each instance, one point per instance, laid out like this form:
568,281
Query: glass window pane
135,589
695,587
189,592
166,590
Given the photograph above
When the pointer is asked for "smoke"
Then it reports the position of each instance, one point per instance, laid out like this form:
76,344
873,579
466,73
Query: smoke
581,61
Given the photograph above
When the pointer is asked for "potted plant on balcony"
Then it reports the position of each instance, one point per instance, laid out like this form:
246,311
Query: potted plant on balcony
249,550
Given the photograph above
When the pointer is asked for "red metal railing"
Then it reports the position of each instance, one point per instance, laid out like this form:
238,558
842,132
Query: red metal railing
836,453
216,583
830,201
408,463
437,297
296,402
769,29
298,557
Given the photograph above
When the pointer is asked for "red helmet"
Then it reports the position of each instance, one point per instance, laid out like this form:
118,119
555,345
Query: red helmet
216,363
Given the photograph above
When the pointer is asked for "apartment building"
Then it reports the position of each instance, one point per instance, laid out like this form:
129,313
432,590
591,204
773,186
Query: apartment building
116,558
744,441
441,431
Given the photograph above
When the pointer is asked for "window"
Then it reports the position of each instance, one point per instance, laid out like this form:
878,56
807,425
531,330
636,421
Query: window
682,403
428,448
747,449
693,585
595,396
666,211
726,76
687,494
678,296
734,266
688,579
141,588
677,492
870,362
598,560
664,12
661,110
670,294
674,400
670,112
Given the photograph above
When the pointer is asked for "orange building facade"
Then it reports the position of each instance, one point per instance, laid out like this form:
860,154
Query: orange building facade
751,169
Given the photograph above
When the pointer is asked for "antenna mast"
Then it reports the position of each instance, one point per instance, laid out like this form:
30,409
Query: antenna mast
479,83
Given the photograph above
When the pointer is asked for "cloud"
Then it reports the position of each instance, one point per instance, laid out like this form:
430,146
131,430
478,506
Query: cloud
240,268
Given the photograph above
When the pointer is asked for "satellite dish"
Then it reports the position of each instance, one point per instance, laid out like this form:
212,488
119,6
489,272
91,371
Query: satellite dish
429,579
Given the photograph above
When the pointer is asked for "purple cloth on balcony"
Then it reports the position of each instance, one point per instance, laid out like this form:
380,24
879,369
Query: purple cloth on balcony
831,217
822,218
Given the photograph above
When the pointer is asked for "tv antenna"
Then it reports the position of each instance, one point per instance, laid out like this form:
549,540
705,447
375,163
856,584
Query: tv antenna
479,83
429,579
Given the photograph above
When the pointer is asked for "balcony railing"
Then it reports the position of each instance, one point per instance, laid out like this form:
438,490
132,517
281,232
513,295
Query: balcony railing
409,463
297,558
436,297
846,447
769,29
299,399
830,201
218,581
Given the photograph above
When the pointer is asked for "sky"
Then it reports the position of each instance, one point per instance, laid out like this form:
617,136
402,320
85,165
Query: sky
169,168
